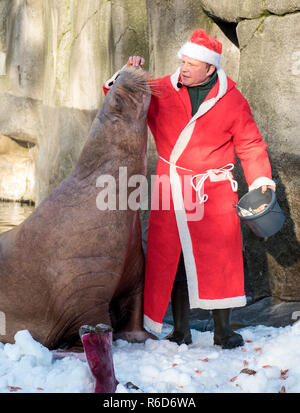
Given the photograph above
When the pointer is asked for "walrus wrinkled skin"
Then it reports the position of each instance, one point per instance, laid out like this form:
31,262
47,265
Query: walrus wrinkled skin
69,263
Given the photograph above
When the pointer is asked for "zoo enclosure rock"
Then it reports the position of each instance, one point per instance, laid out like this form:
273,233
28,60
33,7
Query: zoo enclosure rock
272,87
235,11
54,58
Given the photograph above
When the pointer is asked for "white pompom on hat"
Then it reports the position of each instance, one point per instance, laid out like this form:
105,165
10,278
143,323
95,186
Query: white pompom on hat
203,47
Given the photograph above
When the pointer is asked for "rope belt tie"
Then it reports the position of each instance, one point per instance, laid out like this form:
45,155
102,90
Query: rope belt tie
223,173
219,174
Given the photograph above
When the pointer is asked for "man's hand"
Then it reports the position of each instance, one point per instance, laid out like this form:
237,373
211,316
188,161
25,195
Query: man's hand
136,61
265,187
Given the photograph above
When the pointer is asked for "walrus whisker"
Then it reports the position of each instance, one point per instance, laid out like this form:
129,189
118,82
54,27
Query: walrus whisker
143,80
140,81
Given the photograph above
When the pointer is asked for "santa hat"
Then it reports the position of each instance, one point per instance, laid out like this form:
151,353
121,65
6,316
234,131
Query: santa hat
203,47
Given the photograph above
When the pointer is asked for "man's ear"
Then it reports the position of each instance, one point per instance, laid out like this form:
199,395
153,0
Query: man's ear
211,70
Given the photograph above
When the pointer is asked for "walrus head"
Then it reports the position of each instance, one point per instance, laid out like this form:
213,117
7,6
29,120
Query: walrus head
130,94
119,130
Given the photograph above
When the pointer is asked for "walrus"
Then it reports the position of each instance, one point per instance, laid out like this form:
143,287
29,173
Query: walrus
70,264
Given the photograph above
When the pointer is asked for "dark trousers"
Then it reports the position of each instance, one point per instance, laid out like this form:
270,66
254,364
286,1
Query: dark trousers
180,274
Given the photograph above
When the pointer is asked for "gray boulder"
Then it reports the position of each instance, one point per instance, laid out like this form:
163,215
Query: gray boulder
235,11
269,78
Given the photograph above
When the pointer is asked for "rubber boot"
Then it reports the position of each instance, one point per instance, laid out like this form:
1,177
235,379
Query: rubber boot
181,333
223,334
97,344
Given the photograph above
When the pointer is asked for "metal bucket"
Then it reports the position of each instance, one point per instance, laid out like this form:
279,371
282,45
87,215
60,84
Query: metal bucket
269,220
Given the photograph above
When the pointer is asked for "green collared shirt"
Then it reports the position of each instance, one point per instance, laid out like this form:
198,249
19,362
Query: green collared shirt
199,93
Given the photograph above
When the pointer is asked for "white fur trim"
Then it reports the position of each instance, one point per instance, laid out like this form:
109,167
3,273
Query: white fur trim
185,237
174,79
153,325
180,213
262,180
200,52
230,302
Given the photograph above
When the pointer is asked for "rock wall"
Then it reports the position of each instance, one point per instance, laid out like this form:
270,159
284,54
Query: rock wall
272,86
269,77
56,54
17,170
54,57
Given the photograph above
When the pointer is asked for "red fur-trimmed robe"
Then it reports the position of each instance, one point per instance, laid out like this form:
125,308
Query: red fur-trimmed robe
209,235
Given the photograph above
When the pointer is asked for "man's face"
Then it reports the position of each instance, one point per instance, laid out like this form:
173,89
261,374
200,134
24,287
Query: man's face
193,72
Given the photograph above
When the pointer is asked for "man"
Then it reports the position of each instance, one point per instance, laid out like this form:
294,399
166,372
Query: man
199,121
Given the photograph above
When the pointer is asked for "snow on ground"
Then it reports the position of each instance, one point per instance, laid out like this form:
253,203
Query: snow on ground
269,362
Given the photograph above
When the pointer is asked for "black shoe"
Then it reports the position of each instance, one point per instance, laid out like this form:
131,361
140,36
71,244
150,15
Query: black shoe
181,333
223,334
179,338
229,342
